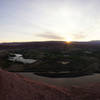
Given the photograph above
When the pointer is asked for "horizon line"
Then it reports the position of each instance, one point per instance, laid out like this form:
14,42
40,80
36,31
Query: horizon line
43,41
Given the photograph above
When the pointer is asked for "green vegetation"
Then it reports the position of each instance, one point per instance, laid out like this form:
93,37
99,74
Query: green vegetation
68,61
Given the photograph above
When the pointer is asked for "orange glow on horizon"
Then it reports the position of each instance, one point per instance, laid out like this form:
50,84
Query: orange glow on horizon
68,42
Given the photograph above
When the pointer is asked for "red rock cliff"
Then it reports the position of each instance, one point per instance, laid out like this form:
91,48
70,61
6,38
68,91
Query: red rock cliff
16,87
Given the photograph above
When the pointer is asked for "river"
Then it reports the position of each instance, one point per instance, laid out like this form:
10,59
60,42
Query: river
64,82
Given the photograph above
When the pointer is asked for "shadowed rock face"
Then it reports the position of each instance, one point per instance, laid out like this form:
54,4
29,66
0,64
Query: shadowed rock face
16,87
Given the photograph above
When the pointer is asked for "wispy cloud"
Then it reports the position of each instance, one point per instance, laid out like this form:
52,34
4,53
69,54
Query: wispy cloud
50,35
79,36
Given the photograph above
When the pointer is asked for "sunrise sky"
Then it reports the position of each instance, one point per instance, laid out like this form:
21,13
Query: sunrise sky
46,20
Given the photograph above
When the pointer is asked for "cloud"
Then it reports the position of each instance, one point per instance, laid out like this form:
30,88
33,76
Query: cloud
50,35
79,36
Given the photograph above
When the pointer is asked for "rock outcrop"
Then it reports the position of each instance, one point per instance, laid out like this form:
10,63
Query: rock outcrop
16,87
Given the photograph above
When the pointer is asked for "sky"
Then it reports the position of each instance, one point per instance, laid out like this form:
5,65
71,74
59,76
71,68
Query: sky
49,20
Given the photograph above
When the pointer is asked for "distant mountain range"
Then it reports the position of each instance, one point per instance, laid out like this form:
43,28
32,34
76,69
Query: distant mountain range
16,43
49,45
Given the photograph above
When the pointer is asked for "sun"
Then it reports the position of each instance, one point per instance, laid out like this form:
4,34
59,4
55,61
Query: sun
68,40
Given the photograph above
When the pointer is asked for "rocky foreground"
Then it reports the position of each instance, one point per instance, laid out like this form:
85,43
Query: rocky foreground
16,87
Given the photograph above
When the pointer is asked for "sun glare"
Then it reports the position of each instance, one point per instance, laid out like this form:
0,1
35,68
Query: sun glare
68,40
